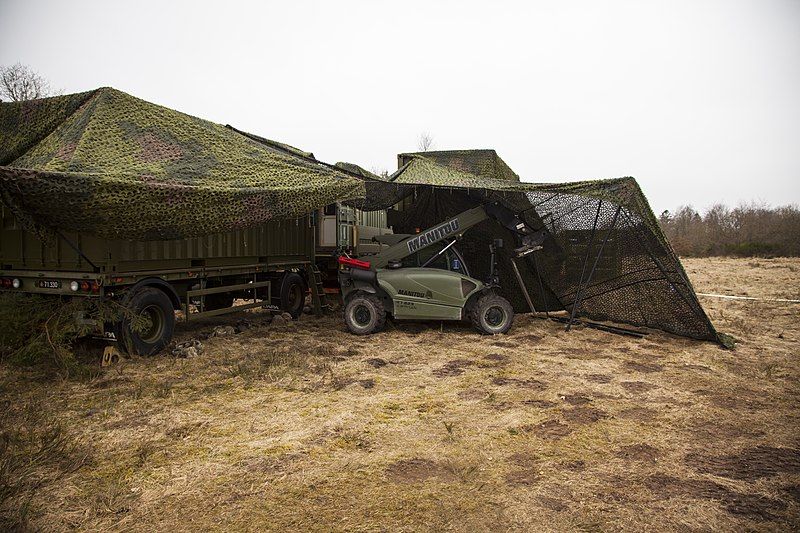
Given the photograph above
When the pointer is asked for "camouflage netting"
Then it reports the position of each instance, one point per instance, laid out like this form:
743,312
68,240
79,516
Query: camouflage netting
106,163
358,171
606,256
482,163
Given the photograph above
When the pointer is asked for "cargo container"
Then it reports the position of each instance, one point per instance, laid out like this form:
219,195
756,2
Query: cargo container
341,228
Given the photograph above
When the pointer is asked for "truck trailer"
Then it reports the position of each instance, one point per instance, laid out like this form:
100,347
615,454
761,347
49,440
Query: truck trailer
269,266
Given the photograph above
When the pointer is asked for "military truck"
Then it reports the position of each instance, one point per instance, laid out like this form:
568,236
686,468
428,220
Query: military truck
270,265
273,265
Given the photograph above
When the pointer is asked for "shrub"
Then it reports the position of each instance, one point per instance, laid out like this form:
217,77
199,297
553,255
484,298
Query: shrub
41,330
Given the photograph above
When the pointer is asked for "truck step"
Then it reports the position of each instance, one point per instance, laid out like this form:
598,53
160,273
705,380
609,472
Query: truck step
319,299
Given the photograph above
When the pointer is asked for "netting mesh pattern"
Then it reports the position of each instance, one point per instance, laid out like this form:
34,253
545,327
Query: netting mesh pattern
605,256
106,163
482,163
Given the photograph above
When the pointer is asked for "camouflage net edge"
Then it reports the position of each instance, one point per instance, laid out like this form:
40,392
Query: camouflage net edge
106,163
607,258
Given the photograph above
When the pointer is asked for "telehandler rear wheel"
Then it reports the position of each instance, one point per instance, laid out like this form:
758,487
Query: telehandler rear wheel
364,314
491,314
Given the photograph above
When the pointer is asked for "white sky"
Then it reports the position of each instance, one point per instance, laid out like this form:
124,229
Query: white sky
699,100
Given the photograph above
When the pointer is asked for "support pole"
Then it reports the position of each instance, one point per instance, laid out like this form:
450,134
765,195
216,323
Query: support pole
579,296
541,287
583,269
522,285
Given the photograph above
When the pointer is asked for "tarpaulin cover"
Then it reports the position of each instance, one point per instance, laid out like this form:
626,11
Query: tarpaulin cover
106,163
606,257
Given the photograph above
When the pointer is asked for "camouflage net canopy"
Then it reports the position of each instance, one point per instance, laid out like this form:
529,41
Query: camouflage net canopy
483,163
106,163
605,257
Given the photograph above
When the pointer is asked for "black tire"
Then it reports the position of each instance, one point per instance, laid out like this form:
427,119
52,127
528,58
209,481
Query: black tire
157,332
491,314
293,294
364,314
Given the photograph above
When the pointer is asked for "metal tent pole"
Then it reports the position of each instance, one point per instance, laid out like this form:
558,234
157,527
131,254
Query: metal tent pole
522,285
579,295
541,287
585,262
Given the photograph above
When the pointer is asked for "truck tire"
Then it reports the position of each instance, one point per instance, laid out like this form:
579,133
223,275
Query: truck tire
293,294
157,333
364,314
491,314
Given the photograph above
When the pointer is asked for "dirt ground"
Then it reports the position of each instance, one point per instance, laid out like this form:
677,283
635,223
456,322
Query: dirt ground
426,427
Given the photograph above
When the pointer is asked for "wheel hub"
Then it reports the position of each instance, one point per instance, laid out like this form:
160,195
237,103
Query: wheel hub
152,323
495,316
361,315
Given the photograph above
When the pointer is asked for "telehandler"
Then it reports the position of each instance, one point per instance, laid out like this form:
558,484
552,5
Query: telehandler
423,277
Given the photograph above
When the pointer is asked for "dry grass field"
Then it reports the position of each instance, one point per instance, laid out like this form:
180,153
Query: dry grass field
425,427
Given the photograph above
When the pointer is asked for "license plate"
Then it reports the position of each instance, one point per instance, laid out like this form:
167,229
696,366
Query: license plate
49,284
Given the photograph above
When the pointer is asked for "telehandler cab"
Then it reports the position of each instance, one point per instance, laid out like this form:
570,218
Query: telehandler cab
423,277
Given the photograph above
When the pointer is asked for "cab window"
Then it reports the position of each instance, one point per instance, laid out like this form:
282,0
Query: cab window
440,262
456,263
449,260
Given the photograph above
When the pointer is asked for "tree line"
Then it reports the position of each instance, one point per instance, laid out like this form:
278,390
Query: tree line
746,230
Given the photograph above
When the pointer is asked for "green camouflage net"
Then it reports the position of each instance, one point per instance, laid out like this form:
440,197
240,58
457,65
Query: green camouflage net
106,163
358,171
482,163
606,257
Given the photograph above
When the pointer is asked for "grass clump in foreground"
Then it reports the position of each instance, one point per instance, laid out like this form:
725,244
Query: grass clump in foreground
40,331
36,449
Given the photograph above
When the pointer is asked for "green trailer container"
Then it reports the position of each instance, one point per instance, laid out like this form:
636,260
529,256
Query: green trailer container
269,265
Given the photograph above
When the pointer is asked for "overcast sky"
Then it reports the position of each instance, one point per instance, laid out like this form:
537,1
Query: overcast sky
699,100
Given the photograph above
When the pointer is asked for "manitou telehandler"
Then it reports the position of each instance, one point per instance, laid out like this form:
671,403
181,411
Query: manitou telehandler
423,277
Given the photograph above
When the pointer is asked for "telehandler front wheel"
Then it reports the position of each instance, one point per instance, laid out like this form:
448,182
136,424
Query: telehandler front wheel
491,314
364,314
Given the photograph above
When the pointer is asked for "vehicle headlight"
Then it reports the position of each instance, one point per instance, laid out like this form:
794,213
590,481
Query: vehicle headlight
74,286
16,283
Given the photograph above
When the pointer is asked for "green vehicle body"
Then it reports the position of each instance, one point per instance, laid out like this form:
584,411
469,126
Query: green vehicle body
428,293
423,277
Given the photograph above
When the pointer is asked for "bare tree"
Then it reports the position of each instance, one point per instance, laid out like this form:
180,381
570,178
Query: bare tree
747,230
380,171
425,142
20,82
